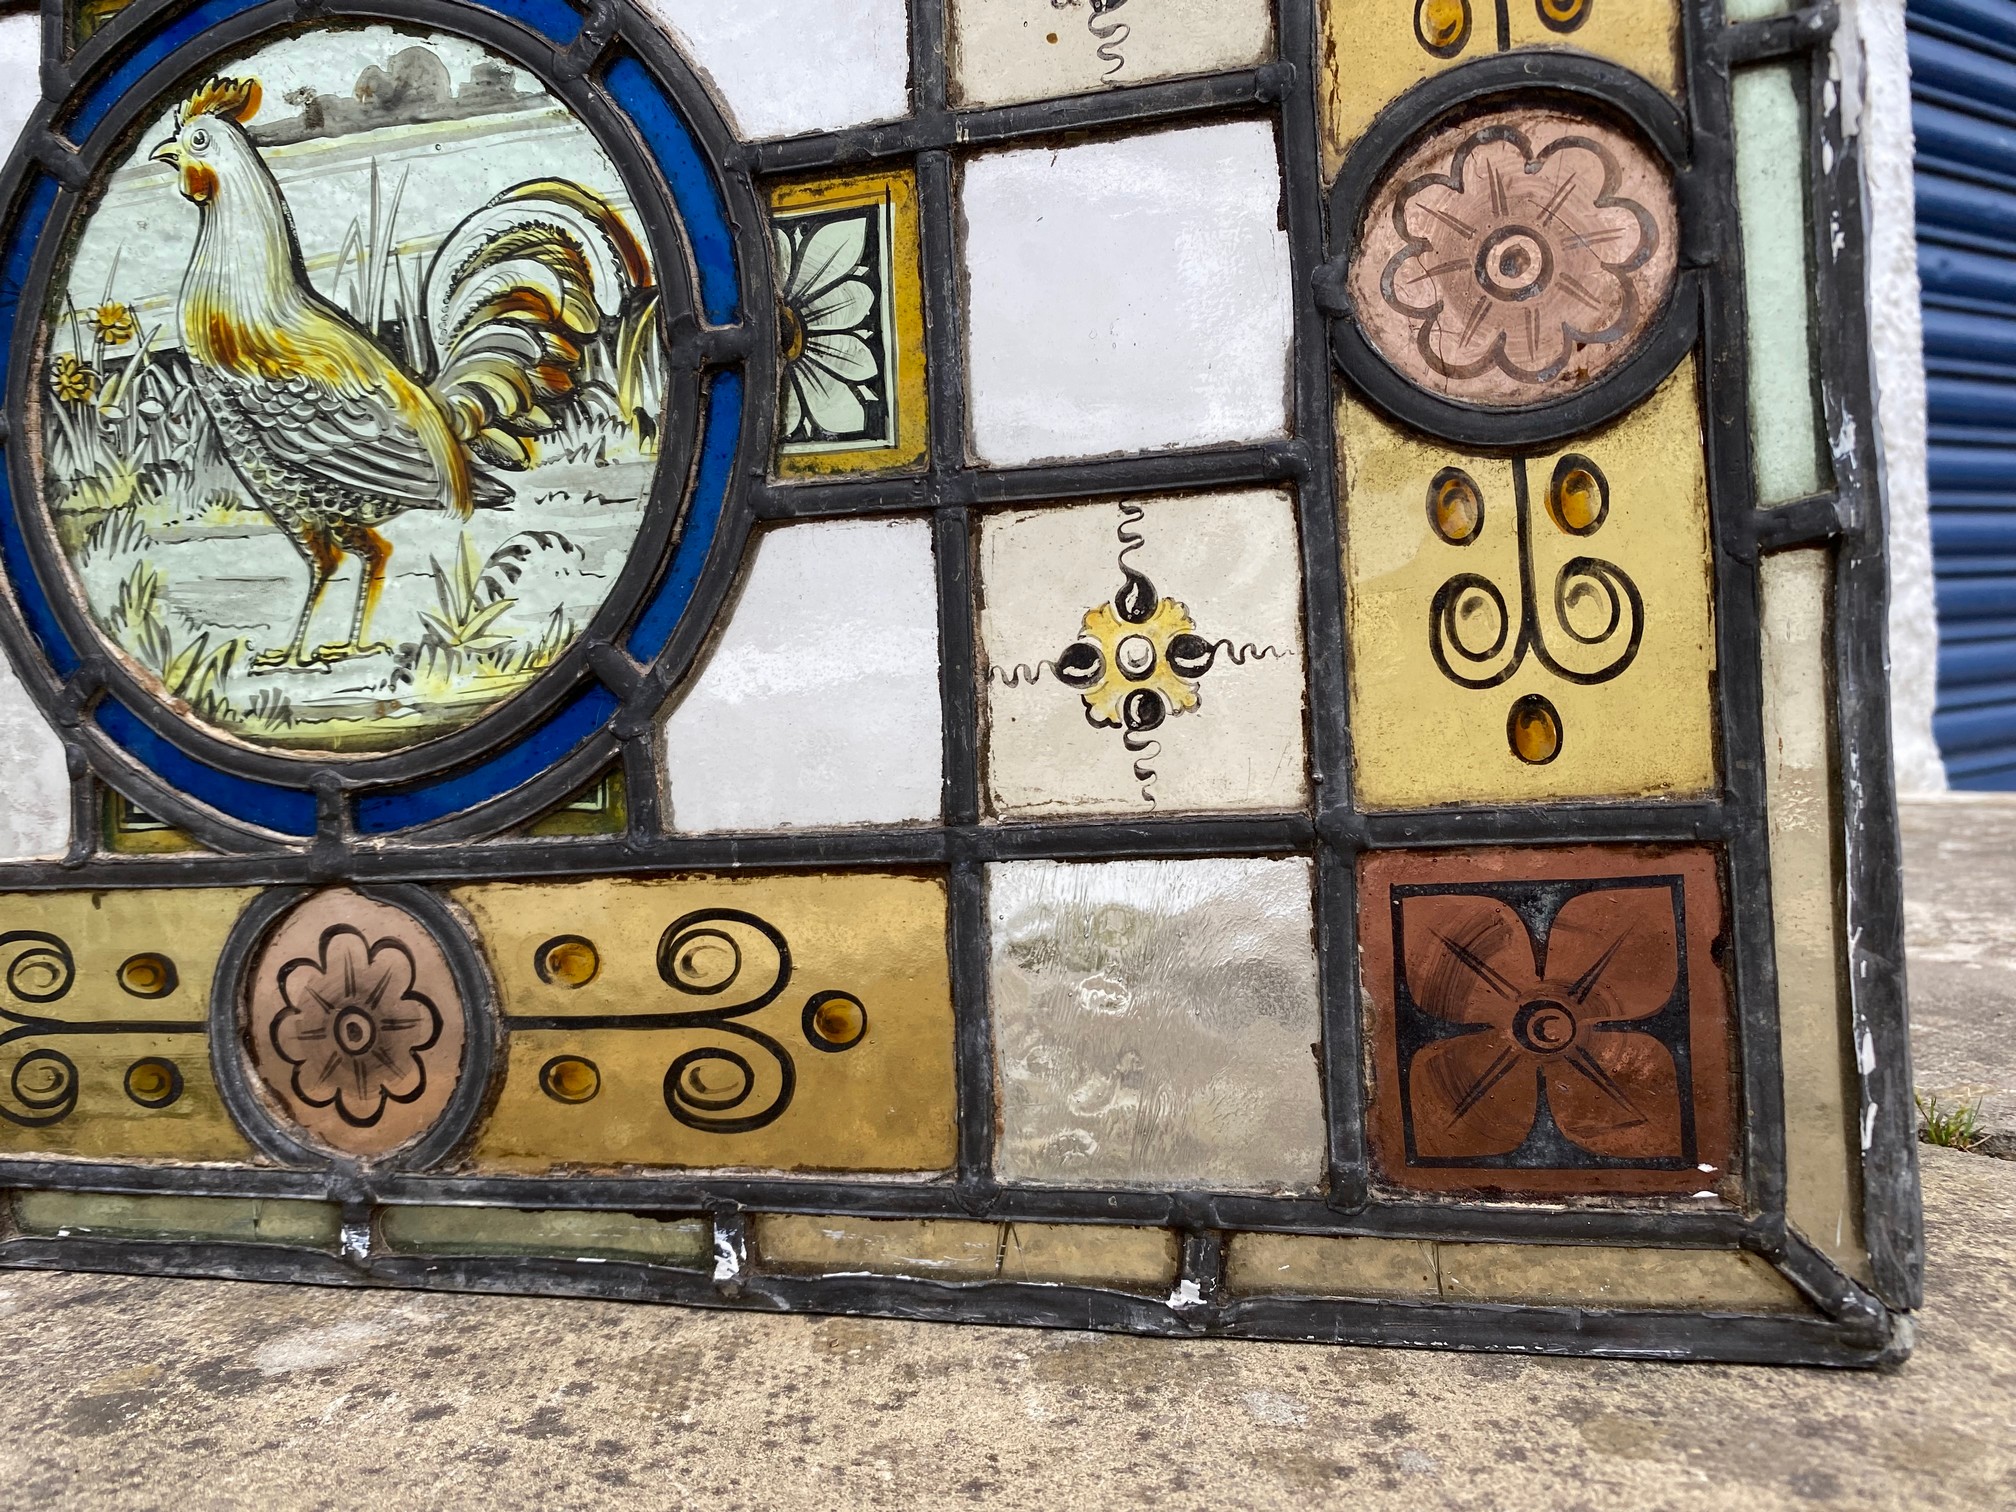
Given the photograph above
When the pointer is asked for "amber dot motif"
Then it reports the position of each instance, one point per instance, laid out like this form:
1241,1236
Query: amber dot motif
149,975
1563,15
835,1021
1534,730
1578,498
567,961
570,1079
1442,26
153,1082
1455,506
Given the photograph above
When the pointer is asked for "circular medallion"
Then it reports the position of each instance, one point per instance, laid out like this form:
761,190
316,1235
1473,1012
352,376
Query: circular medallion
1515,257
363,389
356,1033
1511,272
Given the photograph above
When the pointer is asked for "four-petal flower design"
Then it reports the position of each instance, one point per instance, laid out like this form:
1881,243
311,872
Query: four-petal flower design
353,1027
1537,1035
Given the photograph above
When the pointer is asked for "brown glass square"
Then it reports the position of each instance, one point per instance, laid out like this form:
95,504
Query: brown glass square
1549,1022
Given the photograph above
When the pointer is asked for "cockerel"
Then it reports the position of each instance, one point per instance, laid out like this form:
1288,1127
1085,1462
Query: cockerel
332,435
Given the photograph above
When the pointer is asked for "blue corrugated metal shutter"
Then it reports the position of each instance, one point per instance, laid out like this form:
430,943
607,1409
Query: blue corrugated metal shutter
1963,86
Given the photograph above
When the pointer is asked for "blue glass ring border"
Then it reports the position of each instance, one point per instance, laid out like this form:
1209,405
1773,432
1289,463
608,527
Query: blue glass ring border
711,528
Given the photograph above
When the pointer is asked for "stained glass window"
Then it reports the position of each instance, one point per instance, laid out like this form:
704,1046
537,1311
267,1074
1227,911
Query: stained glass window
1167,665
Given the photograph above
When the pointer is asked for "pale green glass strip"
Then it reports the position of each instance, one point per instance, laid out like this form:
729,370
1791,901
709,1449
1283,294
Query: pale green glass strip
1787,447
1755,10
92,1215
476,1231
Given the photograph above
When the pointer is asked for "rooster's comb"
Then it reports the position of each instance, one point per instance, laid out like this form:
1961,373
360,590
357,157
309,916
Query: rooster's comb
234,99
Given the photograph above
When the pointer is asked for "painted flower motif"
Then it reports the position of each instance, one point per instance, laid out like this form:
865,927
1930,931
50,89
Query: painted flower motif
1541,1039
830,317
114,324
1137,659
1517,260
73,381
353,1028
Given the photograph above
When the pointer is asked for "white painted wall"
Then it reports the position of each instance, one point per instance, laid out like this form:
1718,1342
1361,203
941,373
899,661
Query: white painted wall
1872,71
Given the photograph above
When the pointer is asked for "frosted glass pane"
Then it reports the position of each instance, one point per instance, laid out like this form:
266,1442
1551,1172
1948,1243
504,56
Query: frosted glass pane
1822,1167
1755,10
251,1220
1154,1024
509,1231
1128,294
1777,279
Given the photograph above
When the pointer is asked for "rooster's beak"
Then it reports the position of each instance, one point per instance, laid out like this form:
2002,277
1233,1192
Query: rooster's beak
169,152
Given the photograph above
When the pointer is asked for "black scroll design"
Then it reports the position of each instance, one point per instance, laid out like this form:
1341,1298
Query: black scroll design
711,1087
1475,660
713,961
43,1084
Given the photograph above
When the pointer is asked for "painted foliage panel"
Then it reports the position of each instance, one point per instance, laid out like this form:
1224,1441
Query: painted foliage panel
851,311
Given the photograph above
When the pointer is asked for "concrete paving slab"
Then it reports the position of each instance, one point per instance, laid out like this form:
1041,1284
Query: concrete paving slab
125,1393
1960,930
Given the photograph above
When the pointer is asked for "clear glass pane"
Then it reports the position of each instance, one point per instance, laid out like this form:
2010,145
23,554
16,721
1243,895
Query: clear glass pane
1785,425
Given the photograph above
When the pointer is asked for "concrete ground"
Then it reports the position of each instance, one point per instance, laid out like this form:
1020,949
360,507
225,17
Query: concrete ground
124,1393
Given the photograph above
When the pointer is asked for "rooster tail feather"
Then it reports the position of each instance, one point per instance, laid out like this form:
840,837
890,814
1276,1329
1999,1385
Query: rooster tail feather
512,300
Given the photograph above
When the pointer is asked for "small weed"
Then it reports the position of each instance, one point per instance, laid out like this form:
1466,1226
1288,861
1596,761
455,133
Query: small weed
1957,1128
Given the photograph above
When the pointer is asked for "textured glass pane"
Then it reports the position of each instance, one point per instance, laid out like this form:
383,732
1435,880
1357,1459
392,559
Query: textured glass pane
506,1231
89,1215
1777,281
1822,1180
1154,1024
819,702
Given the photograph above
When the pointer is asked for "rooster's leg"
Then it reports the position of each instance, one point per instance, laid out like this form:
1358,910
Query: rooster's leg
372,551
321,553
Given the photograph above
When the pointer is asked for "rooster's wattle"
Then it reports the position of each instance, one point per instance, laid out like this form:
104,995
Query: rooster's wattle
330,434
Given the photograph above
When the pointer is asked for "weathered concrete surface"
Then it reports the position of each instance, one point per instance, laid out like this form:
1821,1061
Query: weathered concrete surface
1960,922
142,1394
128,1393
